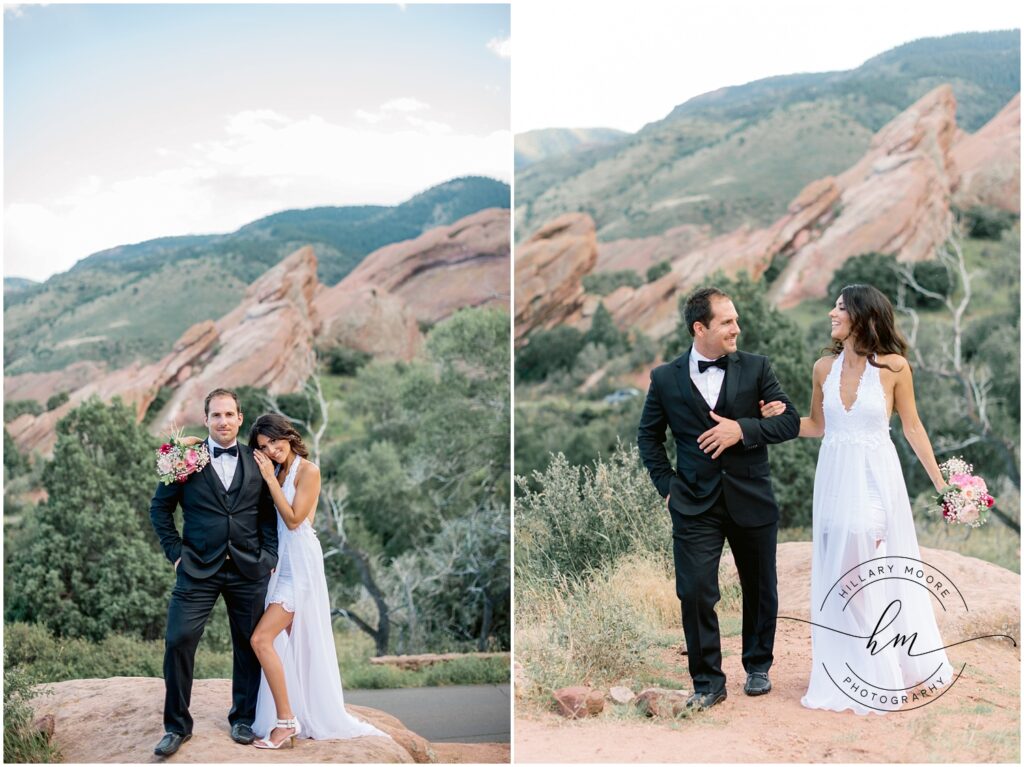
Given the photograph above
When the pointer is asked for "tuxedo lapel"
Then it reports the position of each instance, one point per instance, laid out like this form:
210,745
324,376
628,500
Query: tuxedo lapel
216,486
685,384
239,479
732,381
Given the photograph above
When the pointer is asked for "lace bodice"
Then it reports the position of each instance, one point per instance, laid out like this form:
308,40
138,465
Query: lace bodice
867,421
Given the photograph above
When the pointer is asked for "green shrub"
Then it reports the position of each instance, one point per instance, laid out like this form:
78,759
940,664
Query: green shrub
604,332
56,400
547,351
345,362
603,283
583,518
583,631
87,561
985,223
17,407
22,742
658,270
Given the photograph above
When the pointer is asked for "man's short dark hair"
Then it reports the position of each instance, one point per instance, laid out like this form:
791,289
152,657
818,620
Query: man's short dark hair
698,307
220,393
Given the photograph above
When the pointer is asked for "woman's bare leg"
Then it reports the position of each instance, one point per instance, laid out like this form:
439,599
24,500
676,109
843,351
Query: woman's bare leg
275,620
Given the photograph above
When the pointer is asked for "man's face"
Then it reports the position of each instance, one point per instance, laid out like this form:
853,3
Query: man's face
224,420
719,337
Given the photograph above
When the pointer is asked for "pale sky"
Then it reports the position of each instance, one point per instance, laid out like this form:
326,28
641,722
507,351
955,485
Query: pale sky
626,63
127,122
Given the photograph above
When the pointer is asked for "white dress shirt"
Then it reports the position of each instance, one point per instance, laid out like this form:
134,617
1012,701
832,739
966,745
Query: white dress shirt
708,383
224,464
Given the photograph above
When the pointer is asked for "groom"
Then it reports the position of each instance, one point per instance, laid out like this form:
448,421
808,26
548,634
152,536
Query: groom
720,489
228,546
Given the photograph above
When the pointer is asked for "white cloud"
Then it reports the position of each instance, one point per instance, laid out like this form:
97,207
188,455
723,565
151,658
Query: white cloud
261,163
405,104
370,117
500,46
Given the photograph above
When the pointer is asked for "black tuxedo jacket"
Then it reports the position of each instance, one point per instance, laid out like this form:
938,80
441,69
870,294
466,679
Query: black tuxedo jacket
742,472
241,522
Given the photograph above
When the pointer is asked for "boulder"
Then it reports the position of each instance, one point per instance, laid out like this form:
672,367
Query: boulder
659,702
120,720
578,702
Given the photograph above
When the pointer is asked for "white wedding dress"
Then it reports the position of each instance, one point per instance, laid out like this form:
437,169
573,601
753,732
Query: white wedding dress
863,539
307,653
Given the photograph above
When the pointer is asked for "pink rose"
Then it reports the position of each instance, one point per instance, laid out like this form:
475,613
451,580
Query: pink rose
969,514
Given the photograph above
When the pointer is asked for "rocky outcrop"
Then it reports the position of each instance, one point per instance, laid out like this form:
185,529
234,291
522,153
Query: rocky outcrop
989,162
640,254
41,386
443,270
130,710
266,341
549,271
370,319
896,199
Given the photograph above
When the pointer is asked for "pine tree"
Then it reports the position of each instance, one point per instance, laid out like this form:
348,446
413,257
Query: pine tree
87,563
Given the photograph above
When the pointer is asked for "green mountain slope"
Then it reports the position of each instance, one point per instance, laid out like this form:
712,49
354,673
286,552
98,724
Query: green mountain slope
133,301
535,145
738,155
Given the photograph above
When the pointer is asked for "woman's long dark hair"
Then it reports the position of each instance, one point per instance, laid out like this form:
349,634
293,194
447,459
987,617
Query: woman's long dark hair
872,324
274,426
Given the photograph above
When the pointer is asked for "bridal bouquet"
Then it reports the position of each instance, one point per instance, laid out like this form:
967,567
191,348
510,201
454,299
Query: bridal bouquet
965,500
177,460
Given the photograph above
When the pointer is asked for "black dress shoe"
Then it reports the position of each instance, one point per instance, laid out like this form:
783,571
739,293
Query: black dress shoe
170,743
758,683
242,733
702,700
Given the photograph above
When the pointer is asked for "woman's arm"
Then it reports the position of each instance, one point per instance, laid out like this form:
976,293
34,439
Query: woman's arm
913,429
814,425
307,491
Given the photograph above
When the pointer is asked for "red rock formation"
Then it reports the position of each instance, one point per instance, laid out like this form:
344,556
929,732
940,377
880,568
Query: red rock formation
989,162
640,254
896,199
41,386
369,319
444,269
549,270
266,341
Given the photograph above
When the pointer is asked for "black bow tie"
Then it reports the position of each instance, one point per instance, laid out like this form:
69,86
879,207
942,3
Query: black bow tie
219,451
721,362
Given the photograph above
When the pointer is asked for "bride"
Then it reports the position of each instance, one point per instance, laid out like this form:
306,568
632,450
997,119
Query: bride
300,690
862,520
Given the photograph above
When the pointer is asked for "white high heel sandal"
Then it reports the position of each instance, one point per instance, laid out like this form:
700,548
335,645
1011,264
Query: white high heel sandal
289,741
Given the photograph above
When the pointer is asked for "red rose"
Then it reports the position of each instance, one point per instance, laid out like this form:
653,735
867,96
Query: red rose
989,500
165,448
946,511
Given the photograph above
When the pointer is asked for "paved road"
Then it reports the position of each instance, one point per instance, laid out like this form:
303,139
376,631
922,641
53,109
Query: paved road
460,714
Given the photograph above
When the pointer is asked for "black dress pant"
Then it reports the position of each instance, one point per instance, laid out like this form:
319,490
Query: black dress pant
191,603
697,548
